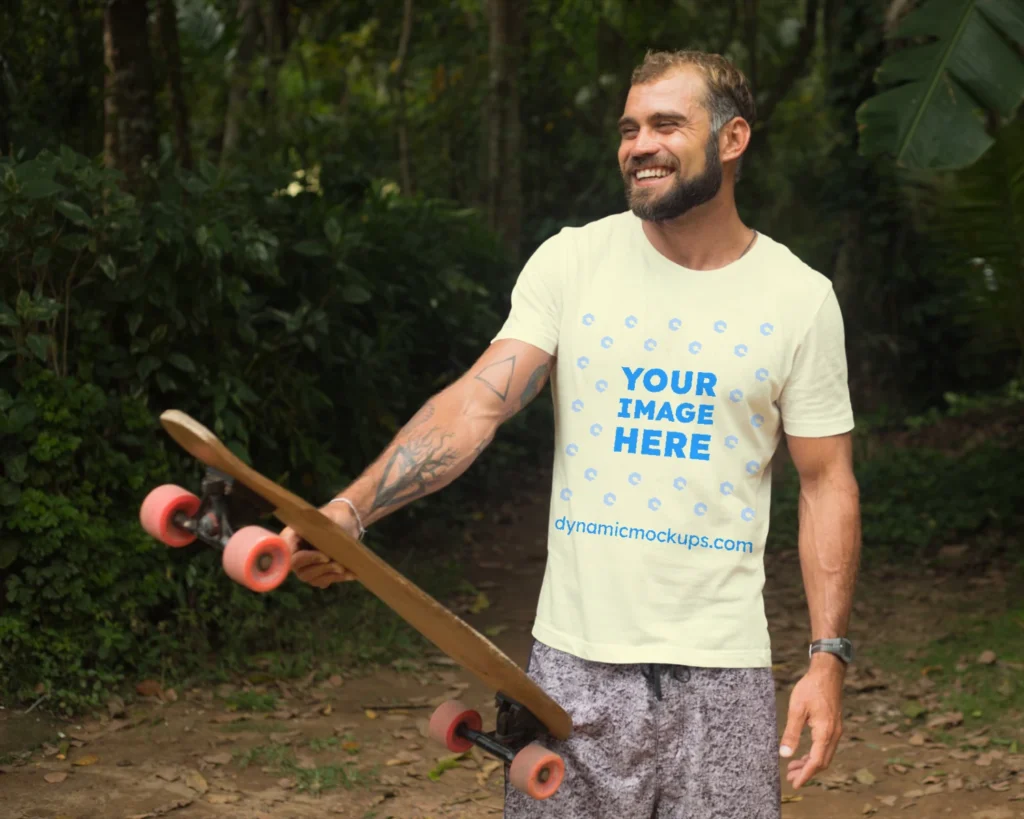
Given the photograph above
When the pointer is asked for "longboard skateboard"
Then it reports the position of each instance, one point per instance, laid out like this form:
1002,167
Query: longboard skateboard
234,493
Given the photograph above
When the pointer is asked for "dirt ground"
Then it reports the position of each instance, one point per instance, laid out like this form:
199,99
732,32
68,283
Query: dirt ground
355,746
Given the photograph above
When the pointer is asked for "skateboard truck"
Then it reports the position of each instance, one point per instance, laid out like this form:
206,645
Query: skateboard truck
531,767
223,518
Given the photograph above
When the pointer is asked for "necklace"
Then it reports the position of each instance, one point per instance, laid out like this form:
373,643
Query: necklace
751,243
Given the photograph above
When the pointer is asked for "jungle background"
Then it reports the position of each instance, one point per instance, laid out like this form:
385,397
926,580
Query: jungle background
297,219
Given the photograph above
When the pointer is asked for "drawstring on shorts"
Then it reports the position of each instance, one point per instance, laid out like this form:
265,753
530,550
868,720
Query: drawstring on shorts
653,672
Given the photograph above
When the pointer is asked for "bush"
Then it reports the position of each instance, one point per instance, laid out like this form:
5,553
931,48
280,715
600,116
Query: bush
915,499
303,329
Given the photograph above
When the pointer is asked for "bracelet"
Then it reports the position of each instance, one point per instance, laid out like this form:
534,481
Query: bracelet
359,521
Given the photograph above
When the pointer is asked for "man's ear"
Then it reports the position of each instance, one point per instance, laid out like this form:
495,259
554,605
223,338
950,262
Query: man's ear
733,139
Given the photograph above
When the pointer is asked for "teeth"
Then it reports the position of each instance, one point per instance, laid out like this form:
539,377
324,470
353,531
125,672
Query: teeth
652,173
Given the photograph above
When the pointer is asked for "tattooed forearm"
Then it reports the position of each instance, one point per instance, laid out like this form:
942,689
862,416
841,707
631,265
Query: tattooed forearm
414,466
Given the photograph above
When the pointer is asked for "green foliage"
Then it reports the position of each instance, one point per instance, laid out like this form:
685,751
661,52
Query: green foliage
977,218
915,499
304,329
969,60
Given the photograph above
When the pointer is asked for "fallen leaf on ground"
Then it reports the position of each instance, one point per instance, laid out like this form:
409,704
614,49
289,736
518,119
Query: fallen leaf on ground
917,738
197,782
55,778
791,798
888,801
869,809
404,758
865,777
88,759
218,759
948,720
167,774
370,713
223,798
486,771
987,657
993,813
891,728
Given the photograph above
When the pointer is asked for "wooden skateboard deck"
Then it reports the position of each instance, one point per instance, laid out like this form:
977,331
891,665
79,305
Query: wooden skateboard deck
452,635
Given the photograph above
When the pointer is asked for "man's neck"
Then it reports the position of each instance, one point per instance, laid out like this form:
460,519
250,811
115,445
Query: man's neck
705,238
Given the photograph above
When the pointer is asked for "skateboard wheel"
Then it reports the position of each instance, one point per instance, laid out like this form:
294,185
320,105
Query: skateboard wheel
445,721
537,771
158,511
257,559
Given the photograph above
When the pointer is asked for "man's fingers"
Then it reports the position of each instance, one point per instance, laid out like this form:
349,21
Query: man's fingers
794,727
815,761
308,557
291,539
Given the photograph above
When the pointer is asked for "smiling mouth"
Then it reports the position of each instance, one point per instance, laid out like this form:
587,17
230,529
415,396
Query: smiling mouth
651,175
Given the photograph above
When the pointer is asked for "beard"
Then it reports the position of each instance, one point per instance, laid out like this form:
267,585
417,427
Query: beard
684,194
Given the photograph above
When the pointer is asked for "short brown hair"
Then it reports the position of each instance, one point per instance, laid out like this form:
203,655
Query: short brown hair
729,94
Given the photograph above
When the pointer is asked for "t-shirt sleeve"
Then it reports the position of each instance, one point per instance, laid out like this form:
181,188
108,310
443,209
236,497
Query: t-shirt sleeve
815,400
536,310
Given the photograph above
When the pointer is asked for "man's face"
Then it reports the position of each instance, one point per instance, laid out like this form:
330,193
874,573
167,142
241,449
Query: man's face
668,158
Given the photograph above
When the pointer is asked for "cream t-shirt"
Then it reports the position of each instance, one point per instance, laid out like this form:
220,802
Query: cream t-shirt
672,389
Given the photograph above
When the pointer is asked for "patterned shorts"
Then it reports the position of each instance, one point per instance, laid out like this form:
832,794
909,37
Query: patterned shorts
658,742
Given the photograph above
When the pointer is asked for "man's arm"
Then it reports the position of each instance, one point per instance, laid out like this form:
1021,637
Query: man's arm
439,443
829,538
829,544
449,432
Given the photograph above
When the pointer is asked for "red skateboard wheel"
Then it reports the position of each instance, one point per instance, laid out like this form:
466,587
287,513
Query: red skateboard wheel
537,771
445,721
159,508
257,559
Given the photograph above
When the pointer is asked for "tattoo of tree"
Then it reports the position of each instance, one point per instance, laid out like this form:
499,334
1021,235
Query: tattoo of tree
413,467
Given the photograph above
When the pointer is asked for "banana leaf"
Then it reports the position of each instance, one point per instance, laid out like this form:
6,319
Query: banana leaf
962,62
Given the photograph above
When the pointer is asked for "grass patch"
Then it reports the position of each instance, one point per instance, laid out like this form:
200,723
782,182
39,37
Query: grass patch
281,760
986,694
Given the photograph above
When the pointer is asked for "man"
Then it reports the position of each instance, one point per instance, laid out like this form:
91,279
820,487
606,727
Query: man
681,345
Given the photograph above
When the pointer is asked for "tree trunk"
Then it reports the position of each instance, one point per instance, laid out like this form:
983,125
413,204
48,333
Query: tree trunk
504,196
130,136
239,91
5,110
168,26
405,168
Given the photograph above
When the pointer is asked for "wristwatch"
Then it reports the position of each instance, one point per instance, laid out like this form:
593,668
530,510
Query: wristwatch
839,646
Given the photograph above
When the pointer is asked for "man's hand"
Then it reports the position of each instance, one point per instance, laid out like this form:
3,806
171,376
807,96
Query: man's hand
312,566
817,702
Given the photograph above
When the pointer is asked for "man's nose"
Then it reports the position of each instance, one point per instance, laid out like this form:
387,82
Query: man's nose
644,144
